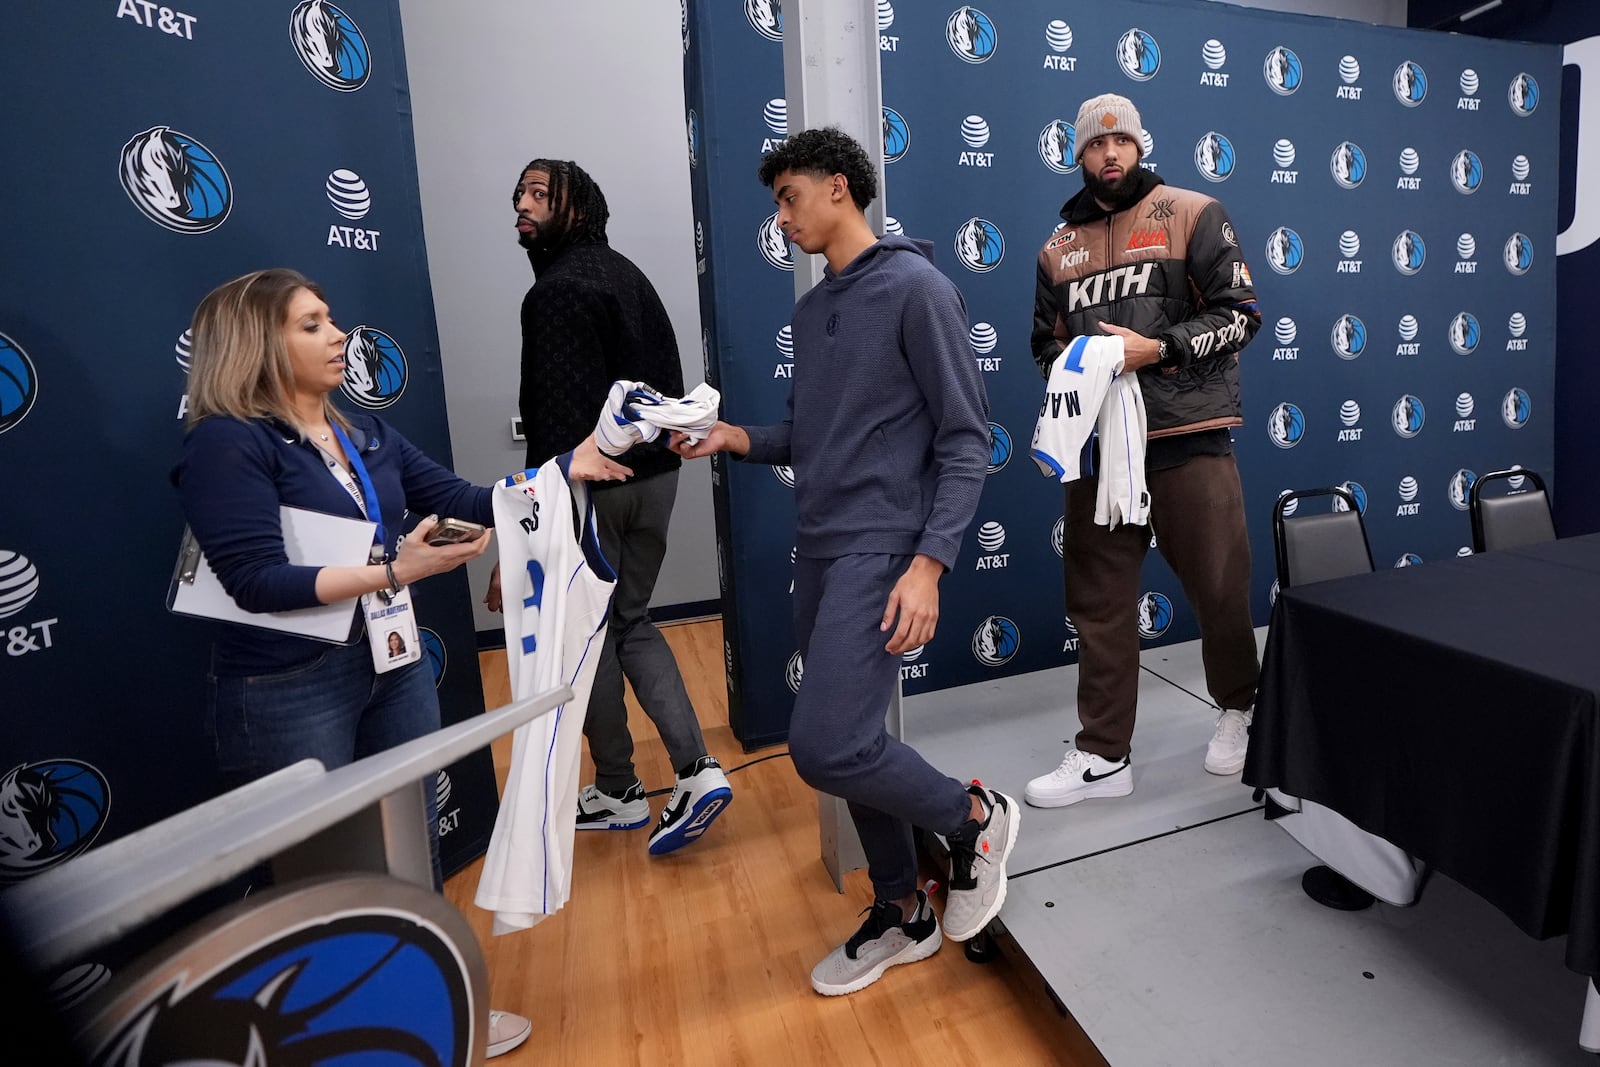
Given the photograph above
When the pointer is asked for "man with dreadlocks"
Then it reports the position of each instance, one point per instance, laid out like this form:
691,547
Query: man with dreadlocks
592,318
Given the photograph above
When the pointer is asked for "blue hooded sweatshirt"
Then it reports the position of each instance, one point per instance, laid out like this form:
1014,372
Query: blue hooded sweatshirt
887,426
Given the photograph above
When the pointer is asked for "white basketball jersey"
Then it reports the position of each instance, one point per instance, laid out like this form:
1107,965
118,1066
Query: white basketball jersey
557,590
1086,393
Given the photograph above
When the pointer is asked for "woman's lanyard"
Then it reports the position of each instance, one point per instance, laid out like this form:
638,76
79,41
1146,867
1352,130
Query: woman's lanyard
367,500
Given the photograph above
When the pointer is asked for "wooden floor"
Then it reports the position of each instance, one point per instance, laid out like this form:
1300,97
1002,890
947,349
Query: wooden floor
704,956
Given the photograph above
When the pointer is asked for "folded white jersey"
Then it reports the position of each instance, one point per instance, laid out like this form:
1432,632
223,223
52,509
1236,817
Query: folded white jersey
1087,393
635,413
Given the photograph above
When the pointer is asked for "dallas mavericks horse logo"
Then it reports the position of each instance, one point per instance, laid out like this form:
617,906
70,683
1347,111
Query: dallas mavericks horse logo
1464,333
694,139
896,135
1410,84
1516,408
330,45
19,383
1349,165
1356,491
1057,142
795,672
367,986
1460,489
1466,171
1523,94
1518,253
1286,425
766,16
176,181
1408,252
774,245
979,245
999,447
995,641
374,368
1349,337
1138,55
1214,157
1409,416
1285,250
1155,615
1283,71
970,34
49,812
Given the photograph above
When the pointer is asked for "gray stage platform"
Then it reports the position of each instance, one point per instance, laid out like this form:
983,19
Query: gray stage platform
1172,926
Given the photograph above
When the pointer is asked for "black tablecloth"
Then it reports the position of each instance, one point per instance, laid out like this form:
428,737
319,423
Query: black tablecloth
1453,709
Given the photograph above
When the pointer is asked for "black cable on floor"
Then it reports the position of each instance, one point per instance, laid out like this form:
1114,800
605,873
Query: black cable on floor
731,770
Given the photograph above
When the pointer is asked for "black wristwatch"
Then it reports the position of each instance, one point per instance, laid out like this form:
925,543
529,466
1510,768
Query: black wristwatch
1162,349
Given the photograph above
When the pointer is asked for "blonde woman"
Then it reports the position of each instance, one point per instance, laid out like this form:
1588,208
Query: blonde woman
263,432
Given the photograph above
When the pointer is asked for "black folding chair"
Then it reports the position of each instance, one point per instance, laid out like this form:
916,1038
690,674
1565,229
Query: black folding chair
1318,548
1510,519
1315,548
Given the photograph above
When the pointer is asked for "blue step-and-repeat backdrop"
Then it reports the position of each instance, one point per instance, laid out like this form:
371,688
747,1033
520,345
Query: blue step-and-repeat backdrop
1394,192
150,154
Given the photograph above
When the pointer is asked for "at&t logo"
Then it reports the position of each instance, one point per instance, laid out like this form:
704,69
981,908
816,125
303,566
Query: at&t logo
1283,159
50,811
991,537
1285,332
1155,615
1465,423
374,368
1286,425
1409,163
909,667
1349,249
984,340
1409,345
774,245
1057,142
1518,253
1464,333
1516,408
1138,55
1410,84
1071,643
1214,157
1460,489
766,18
1409,504
785,343
1468,100
975,132
776,117
1349,74
970,34
979,245
175,181
449,818
896,136
1408,252
1523,94
1282,71
1058,36
1517,325
1408,416
19,384
330,45
1285,252
19,584
1348,337
1214,56
182,349
1348,165
886,43
995,641
349,196
1466,171
794,672
1466,248
999,448
1520,169
1350,416
153,16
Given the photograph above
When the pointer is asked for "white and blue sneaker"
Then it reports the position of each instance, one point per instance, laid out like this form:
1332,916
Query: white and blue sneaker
697,799
599,810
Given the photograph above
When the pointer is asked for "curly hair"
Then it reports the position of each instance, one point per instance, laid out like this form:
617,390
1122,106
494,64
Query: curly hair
822,154
575,199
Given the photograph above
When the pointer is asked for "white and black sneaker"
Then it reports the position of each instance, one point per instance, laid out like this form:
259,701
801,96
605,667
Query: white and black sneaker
1082,775
888,938
699,796
598,810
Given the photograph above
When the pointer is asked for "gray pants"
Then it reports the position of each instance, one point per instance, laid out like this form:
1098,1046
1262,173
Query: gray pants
632,520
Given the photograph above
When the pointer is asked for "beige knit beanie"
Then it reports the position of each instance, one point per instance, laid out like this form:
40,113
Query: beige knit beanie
1107,113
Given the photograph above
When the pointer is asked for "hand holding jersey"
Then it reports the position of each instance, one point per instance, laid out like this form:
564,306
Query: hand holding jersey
1090,393
635,413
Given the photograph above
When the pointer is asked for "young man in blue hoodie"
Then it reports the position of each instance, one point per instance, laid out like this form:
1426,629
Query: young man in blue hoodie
887,432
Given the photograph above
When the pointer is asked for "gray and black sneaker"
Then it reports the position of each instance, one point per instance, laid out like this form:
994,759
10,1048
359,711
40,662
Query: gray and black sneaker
978,854
888,938
598,810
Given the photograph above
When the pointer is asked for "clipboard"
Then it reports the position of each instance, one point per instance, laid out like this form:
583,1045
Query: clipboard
310,538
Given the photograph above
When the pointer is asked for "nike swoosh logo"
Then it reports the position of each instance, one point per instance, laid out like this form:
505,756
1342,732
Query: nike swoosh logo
674,812
1090,776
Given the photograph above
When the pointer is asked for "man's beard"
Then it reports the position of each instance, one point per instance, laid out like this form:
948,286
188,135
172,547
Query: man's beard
1119,193
544,237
